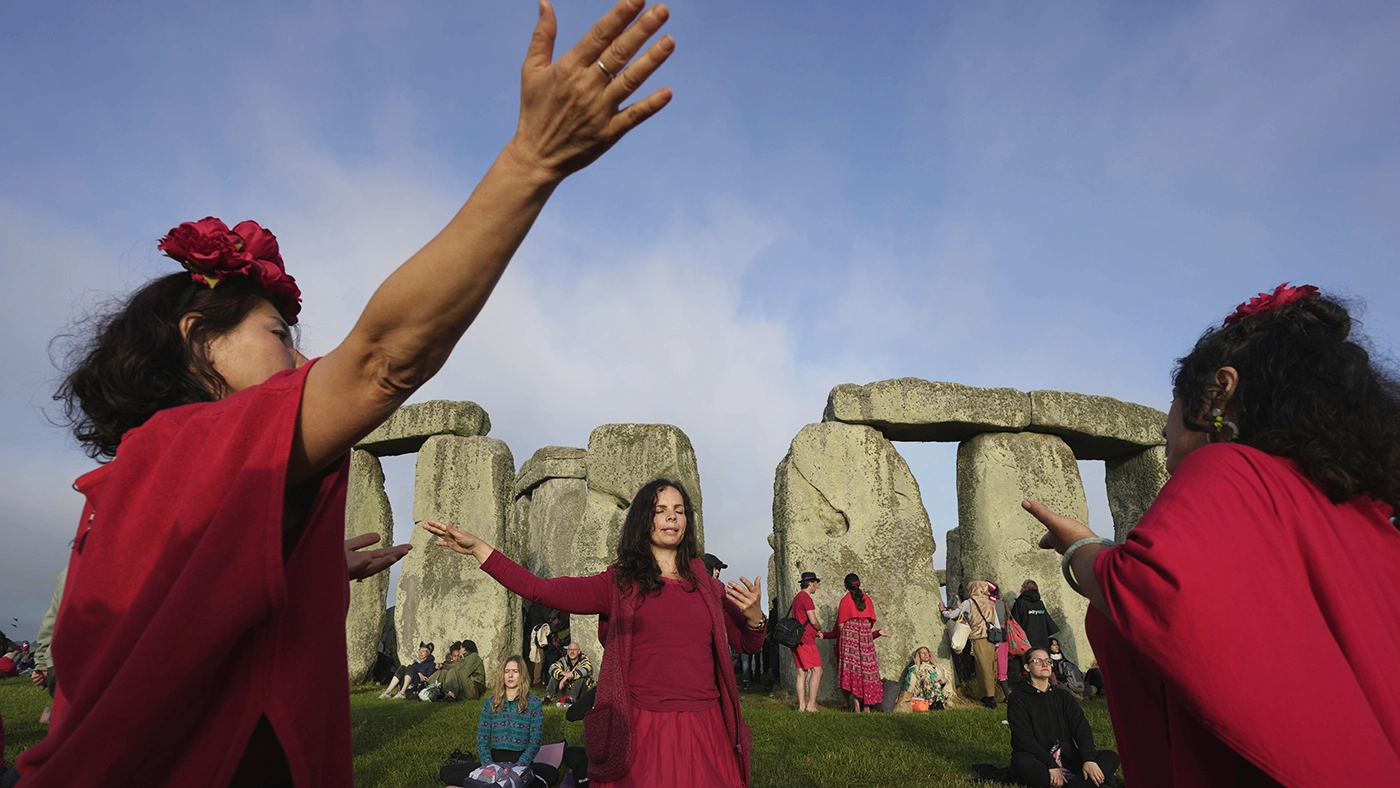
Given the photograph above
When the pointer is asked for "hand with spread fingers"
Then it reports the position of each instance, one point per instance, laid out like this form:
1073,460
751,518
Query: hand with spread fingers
362,565
571,108
748,597
460,541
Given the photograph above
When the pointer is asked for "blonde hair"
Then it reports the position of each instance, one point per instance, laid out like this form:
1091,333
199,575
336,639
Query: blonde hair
498,695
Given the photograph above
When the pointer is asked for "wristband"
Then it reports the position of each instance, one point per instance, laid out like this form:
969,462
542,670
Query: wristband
1064,562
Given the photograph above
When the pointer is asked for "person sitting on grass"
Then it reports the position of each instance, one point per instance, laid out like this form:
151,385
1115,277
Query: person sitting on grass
465,677
1064,671
1051,741
512,721
411,675
922,680
571,676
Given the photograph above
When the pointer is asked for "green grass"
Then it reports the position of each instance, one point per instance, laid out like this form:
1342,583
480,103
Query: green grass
401,744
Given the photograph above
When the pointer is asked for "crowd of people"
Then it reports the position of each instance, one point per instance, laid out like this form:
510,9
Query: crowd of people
207,578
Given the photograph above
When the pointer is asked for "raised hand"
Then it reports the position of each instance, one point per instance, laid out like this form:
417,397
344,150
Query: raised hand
748,597
460,541
361,565
569,108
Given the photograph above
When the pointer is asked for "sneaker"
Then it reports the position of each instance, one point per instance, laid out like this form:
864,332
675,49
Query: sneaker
385,694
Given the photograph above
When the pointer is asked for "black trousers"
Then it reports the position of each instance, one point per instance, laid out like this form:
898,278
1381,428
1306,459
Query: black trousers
1027,769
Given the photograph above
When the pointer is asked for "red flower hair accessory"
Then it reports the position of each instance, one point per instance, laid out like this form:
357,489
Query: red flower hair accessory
1282,296
211,252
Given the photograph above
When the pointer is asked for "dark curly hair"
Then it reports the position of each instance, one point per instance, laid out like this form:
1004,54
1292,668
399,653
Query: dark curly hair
1308,390
637,571
133,361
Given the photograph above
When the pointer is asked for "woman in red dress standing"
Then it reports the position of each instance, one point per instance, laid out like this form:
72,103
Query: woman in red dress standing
667,706
215,528
1283,444
857,669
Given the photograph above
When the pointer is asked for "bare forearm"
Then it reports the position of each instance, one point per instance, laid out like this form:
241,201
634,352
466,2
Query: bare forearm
420,312
417,316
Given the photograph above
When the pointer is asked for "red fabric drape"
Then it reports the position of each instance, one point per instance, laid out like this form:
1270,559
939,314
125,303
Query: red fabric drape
1255,620
183,624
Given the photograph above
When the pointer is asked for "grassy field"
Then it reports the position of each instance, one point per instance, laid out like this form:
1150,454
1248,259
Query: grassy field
401,744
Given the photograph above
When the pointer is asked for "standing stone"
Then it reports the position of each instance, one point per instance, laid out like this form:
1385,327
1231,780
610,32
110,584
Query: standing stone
953,588
366,512
1133,482
845,501
555,513
444,596
999,538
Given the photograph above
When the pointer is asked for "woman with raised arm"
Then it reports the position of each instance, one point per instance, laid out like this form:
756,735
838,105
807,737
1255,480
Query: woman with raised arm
667,707
216,524
1283,445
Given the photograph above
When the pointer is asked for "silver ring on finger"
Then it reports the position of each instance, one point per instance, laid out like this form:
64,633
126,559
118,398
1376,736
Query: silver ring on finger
611,76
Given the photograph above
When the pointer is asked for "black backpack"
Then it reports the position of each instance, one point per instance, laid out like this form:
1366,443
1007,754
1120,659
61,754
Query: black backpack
789,631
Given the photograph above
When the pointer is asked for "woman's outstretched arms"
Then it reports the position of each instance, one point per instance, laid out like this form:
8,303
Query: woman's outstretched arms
569,116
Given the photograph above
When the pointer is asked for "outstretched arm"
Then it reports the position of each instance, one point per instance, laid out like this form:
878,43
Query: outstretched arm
590,595
569,116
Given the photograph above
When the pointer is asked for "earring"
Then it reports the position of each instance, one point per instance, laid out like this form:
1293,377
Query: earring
1219,423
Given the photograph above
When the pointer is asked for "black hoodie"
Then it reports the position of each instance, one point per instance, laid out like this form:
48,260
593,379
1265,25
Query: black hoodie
1039,719
1031,614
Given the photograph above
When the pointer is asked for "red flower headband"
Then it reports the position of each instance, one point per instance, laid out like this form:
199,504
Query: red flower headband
212,253
1282,296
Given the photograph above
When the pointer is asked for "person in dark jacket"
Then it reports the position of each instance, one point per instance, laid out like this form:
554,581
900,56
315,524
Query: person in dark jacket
1031,614
1051,741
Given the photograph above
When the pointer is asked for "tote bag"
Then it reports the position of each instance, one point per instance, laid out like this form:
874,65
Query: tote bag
958,633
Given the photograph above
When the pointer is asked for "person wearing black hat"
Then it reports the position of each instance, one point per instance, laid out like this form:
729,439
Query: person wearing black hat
806,656
713,564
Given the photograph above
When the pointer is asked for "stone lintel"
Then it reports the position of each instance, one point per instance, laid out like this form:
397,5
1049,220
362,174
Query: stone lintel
912,409
1094,427
551,462
412,425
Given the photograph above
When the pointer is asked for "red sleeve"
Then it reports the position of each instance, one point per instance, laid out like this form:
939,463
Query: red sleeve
585,596
1237,542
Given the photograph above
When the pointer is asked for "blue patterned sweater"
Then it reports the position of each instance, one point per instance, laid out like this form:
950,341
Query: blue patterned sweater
511,729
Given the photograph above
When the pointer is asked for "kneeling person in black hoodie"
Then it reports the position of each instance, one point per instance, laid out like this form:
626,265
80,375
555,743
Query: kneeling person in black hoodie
1051,742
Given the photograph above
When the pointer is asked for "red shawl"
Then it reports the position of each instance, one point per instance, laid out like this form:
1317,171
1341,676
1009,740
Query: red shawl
183,623
1239,583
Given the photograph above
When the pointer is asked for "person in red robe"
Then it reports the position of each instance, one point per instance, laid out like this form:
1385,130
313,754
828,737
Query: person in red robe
666,711
215,527
1283,444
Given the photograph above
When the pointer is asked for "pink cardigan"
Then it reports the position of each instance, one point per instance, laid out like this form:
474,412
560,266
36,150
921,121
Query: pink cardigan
607,727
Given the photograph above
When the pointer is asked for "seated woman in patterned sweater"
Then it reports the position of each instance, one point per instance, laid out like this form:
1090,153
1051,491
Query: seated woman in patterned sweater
512,720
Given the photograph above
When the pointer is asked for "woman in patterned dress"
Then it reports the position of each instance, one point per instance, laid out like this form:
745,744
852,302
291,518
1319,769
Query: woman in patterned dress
857,669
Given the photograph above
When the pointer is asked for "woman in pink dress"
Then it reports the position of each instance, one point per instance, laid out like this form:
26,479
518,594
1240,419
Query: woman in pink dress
667,710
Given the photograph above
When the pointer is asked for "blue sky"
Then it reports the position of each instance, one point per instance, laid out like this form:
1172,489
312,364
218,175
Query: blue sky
1050,196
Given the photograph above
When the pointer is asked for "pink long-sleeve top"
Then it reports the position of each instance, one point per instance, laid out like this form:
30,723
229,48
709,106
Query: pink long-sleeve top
673,653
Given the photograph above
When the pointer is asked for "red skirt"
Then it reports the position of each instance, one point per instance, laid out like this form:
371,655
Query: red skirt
857,671
680,749
806,656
